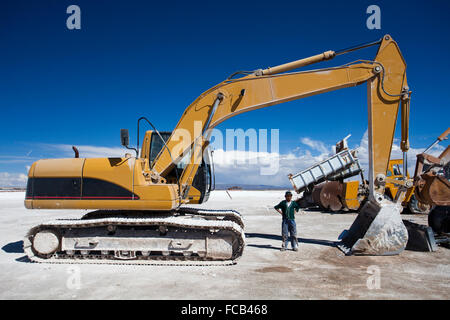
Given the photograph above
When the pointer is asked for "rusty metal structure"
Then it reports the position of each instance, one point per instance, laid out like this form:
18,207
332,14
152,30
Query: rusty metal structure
431,176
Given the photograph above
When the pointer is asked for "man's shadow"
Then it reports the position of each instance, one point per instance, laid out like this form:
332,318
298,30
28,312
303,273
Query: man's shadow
277,237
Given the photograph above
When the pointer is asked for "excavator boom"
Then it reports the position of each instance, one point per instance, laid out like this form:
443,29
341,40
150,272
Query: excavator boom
265,88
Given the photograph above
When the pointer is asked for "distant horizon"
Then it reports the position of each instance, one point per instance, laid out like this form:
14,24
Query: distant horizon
223,186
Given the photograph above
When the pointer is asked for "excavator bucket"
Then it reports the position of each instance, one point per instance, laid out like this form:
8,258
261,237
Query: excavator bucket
421,237
377,230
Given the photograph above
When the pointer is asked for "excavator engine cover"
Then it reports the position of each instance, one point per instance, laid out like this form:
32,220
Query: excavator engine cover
377,230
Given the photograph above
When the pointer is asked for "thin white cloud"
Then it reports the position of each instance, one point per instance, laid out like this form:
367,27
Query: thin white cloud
88,151
10,159
13,179
315,145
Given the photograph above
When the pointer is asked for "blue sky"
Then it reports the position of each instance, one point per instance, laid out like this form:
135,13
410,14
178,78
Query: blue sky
61,87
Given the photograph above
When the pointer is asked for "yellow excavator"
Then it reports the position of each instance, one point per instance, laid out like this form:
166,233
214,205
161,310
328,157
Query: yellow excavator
139,201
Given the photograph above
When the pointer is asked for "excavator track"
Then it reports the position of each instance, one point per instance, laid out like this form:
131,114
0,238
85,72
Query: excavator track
190,236
209,214
225,214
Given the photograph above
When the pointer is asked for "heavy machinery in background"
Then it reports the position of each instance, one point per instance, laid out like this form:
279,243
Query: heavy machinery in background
431,175
140,200
432,187
324,185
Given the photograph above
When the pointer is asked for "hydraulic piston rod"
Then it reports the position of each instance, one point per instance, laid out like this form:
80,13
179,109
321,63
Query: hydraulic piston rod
297,64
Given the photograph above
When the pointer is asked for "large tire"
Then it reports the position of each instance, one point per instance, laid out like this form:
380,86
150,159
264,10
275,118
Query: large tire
439,219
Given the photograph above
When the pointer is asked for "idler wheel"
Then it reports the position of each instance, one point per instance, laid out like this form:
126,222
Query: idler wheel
46,242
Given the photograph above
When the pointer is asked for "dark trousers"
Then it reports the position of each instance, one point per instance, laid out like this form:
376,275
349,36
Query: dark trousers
288,226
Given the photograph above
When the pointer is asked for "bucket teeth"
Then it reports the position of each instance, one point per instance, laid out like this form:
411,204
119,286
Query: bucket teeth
377,230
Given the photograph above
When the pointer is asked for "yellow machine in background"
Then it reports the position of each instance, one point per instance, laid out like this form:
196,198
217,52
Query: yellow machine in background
394,171
140,199
353,191
410,202
352,195
335,194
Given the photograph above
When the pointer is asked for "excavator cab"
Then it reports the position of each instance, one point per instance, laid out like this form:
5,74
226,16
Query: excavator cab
204,181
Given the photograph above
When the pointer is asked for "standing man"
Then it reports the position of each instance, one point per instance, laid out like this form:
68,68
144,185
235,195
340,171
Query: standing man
286,208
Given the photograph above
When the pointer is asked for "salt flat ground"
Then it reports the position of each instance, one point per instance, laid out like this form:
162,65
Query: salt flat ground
317,271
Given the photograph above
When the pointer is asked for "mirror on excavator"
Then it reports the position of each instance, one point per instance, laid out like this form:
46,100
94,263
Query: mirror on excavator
124,137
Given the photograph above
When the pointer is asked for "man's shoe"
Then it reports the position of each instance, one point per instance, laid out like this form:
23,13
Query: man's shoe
295,249
283,249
